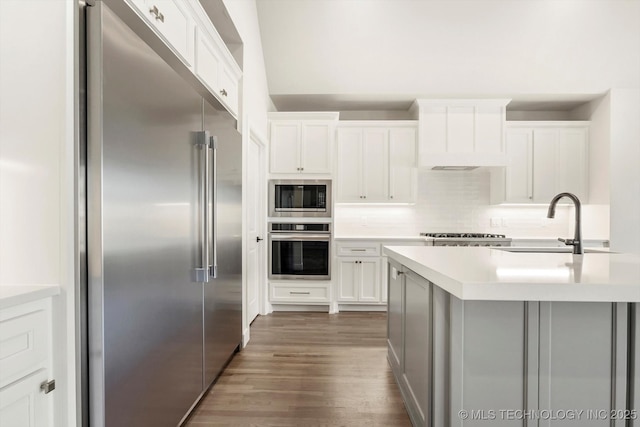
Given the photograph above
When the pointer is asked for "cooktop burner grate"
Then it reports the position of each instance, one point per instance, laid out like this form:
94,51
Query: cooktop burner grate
465,235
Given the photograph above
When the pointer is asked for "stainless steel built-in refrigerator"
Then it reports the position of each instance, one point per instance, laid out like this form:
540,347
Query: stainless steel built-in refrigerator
163,230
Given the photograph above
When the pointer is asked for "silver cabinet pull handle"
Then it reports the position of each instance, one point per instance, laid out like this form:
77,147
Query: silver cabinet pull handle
299,293
48,386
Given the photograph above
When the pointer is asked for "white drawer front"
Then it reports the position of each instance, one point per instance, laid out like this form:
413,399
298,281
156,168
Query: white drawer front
299,294
358,249
24,340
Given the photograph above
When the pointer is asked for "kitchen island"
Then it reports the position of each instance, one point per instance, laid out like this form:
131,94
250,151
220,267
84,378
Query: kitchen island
485,337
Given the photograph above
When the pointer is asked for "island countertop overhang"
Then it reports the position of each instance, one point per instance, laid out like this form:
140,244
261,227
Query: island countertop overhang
481,273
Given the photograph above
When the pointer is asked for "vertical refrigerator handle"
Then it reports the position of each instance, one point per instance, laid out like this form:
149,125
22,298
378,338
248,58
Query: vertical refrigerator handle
213,214
202,272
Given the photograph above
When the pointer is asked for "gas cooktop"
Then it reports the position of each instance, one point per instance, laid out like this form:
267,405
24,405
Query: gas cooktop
465,235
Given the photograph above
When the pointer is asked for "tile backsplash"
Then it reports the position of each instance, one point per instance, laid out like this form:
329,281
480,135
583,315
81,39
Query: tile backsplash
452,201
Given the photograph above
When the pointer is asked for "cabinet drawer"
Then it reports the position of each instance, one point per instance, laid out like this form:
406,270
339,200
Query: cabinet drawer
25,337
358,249
283,292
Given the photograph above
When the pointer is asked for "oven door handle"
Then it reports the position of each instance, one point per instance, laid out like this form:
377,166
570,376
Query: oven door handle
305,237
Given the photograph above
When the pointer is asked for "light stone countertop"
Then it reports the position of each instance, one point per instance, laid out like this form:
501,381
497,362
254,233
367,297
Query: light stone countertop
15,295
380,238
481,273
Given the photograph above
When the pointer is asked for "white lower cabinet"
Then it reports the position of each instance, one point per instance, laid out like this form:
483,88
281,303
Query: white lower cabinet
25,364
359,280
361,273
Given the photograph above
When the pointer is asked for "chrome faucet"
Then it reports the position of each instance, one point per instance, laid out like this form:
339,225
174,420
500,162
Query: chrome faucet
576,242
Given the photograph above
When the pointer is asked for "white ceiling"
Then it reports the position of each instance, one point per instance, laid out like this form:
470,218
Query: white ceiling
383,54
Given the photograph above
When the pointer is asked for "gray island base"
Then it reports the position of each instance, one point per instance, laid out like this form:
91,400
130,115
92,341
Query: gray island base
491,361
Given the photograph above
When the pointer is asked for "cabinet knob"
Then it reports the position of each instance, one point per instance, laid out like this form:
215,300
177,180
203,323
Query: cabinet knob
391,197
223,92
154,11
48,386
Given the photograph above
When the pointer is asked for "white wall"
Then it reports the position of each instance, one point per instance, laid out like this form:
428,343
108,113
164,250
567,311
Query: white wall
625,170
36,167
445,47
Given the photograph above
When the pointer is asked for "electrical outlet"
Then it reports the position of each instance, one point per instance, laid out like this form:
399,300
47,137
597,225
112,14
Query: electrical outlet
496,222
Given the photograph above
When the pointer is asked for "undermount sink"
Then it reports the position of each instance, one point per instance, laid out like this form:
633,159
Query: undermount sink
551,249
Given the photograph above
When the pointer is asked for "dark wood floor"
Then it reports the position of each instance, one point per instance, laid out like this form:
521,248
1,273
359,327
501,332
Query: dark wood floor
308,369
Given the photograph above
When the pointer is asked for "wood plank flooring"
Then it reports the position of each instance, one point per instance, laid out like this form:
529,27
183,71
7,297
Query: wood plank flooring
308,369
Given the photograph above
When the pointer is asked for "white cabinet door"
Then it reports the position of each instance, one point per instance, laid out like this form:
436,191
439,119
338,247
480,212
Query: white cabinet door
284,154
173,22
301,146
545,164
544,160
208,62
369,280
359,279
519,187
316,148
377,163
572,154
375,159
349,161
228,90
402,165
348,279
23,404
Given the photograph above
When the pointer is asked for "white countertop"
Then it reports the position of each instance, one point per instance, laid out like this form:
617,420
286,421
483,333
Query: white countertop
14,295
382,238
481,273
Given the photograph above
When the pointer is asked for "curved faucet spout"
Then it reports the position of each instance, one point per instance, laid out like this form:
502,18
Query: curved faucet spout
576,242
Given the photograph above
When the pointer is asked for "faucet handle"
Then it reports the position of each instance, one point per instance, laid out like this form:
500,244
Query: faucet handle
568,242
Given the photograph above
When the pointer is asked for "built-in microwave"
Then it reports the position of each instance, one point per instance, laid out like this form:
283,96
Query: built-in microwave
300,198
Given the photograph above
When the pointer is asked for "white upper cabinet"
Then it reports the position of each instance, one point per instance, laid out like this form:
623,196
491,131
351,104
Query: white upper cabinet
301,143
218,74
185,27
376,162
172,20
544,159
461,132
402,164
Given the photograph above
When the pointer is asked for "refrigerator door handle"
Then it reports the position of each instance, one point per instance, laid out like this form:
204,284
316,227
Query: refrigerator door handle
202,272
213,228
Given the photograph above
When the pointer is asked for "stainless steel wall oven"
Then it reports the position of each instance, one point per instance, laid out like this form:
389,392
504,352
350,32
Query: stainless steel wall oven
300,198
300,251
